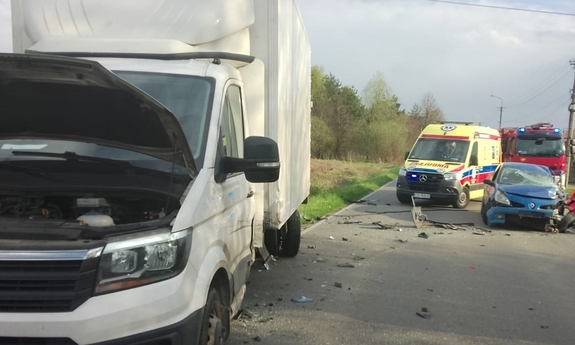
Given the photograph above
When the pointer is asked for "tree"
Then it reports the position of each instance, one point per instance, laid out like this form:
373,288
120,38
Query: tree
430,110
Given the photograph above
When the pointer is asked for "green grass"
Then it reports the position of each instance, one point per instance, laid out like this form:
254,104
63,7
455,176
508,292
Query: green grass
331,190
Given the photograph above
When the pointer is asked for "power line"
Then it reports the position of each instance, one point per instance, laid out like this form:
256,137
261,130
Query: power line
552,75
542,92
561,106
504,8
522,116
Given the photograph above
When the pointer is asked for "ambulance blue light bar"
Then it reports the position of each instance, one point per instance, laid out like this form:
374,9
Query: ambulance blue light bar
557,130
521,129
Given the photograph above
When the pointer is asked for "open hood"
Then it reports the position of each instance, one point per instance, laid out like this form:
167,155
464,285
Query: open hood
48,97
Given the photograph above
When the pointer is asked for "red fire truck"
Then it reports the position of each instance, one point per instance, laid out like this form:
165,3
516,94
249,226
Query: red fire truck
540,143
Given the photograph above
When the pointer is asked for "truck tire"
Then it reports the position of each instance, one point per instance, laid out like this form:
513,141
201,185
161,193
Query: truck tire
463,199
291,237
402,198
272,241
214,331
566,222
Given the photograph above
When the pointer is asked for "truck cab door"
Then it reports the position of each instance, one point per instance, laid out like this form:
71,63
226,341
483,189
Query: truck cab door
236,191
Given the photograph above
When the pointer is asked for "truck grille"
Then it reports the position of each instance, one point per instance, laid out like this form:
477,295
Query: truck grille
431,183
36,341
45,286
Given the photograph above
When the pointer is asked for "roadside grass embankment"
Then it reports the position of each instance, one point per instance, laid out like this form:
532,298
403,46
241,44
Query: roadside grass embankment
335,184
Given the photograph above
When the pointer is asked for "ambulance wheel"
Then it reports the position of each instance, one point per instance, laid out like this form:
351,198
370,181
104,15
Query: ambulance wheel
404,199
272,241
291,236
215,322
463,199
566,222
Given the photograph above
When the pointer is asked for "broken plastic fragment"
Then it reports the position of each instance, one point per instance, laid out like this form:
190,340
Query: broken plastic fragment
301,299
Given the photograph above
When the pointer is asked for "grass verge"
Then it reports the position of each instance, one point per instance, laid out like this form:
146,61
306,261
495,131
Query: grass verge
334,184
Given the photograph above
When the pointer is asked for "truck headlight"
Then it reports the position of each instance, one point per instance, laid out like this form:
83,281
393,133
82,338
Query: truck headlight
137,261
402,172
501,198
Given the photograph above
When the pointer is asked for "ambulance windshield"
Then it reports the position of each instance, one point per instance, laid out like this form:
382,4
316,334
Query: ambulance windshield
440,150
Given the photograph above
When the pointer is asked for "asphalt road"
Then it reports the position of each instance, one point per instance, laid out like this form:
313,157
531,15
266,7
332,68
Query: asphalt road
500,287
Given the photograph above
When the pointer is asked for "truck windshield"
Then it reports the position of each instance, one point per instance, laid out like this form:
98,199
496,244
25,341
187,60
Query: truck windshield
440,150
189,98
540,147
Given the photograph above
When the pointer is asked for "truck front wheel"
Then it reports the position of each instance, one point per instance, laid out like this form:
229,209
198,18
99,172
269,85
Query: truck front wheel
214,330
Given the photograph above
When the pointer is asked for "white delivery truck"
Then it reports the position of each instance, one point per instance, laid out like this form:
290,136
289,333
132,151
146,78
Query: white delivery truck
148,150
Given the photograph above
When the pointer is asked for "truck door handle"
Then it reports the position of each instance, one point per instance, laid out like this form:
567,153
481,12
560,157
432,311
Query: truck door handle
250,194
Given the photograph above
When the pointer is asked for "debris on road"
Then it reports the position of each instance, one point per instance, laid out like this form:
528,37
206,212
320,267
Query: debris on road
257,338
310,247
348,222
385,226
344,239
423,314
346,265
545,327
301,299
430,290
337,285
472,268
423,235
402,241
478,233
361,201
424,309
331,238
306,218
357,257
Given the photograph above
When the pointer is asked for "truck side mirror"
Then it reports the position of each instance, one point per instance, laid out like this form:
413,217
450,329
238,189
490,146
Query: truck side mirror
261,162
406,155
473,160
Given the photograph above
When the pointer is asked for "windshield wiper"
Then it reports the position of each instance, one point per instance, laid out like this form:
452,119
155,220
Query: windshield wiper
72,156
29,171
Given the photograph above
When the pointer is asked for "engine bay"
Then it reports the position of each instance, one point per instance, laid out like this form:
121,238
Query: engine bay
91,210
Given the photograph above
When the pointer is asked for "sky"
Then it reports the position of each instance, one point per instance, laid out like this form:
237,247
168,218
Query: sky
461,54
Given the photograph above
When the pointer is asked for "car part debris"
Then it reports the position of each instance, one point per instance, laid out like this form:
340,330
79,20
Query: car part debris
385,226
402,241
337,285
332,238
346,265
416,215
423,235
481,233
423,314
301,299
347,222
344,239
310,247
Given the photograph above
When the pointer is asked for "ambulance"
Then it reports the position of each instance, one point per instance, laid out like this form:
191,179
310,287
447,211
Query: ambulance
448,164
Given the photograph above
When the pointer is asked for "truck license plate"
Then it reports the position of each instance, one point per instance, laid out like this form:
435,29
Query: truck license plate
421,196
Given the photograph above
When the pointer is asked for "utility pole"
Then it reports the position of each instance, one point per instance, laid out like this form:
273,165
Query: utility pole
570,131
500,110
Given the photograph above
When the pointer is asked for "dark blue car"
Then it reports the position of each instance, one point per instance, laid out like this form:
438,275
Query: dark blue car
520,193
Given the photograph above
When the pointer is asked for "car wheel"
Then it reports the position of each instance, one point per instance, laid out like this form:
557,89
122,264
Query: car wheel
463,199
566,222
484,209
291,237
213,331
404,199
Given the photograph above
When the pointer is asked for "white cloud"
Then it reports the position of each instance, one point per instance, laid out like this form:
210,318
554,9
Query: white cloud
461,54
